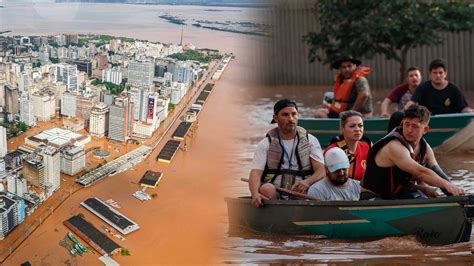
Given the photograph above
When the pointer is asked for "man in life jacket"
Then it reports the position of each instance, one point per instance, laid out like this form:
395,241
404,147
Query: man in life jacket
288,157
402,158
351,89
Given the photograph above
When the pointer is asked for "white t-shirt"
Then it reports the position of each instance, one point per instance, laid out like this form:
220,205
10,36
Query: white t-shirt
260,157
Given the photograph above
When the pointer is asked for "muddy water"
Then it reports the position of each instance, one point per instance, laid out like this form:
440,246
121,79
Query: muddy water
183,225
253,248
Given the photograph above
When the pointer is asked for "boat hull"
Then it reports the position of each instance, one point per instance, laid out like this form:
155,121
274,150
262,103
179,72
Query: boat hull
442,128
433,221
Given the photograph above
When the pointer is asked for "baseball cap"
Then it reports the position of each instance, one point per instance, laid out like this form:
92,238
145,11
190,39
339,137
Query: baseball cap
335,159
281,104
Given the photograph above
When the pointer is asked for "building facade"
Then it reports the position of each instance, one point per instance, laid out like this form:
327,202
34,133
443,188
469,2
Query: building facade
44,105
27,114
12,213
121,119
68,105
113,75
73,160
99,120
141,73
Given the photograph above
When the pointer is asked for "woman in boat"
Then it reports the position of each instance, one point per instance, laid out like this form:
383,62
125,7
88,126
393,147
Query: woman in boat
353,142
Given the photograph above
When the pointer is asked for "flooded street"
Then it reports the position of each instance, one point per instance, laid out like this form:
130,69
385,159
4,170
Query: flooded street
237,118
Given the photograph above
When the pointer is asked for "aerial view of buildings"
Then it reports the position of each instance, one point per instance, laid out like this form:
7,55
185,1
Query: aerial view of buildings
84,89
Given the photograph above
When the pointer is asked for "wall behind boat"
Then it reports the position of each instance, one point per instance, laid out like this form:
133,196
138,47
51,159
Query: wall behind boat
285,55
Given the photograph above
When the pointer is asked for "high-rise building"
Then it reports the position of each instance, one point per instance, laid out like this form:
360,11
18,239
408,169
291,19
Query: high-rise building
52,163
73,160
11,183
44,105
99,120
27,114
12,213
139,97
34,170
14,160
3,172
160,69
84,66
84,104
141,73
71,39
152,108
11,100
23,82
113,75
62,52
175,95
2,89
21,186
68,75
183,72
3,141
121,119
68,104
102,61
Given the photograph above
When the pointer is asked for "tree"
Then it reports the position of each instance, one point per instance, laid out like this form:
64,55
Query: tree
365,28
22,126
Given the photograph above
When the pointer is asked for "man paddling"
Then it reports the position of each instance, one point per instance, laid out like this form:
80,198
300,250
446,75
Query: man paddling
403,157
288,157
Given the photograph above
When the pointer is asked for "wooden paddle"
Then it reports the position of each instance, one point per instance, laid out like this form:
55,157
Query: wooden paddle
289,192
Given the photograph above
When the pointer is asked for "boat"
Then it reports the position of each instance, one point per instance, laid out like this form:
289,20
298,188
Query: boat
435,221
448,132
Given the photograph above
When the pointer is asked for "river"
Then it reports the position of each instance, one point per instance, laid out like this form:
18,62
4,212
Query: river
255,103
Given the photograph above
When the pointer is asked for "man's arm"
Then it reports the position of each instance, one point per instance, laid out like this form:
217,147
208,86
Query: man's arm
254,186
363,91
384,107
319,172
360,100
400,156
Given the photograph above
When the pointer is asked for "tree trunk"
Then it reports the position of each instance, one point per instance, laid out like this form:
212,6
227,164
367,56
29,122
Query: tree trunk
403,59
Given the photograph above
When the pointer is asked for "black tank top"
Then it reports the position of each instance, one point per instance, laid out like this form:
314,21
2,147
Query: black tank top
390,182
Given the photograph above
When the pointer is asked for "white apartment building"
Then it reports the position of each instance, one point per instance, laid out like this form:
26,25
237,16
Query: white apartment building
44,105
27,114
99,120
73,160
113,75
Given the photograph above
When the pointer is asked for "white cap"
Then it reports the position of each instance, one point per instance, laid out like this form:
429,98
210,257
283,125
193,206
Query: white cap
336,159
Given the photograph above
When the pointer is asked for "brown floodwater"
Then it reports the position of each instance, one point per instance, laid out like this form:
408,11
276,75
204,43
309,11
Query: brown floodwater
187,223
255,248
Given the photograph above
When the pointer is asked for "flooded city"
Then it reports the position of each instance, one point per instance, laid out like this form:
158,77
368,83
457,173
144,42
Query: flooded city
188,221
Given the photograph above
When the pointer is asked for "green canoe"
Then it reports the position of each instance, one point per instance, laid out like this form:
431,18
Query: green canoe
447,132
438,221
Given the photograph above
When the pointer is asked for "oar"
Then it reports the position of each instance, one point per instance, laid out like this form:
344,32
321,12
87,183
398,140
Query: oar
289,192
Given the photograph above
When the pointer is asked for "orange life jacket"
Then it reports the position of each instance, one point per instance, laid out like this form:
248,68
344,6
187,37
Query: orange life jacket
343,88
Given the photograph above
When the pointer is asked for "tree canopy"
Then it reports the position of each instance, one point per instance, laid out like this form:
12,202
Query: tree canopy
364,28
